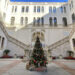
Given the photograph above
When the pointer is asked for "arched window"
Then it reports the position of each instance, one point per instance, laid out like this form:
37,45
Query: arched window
65,21
55,21
15,8
50,21
26,20
64,9
12,8
34,8
27,8
38,8
23,9
42,9
72,3
38,21
0,39
2,44
73,18
54,9
50,9
34,21
12,20
22,21
61,9
42,21
73,42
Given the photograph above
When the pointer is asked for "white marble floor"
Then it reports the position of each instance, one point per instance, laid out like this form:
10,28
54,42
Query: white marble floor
17,67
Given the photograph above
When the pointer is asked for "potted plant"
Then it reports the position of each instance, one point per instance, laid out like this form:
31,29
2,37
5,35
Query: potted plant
6,52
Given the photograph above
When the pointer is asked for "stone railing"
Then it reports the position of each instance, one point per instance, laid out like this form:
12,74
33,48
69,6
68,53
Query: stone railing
11,39
58,43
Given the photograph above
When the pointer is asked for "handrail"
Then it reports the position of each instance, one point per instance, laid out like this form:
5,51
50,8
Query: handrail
58,43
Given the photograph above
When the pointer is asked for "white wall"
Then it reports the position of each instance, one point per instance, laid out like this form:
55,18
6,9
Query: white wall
14,49
32,14
61,50
5,42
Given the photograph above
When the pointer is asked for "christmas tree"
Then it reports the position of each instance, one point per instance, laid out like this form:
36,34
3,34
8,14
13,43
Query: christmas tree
38,58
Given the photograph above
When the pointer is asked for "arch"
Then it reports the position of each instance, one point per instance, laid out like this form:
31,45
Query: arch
64,21
73,18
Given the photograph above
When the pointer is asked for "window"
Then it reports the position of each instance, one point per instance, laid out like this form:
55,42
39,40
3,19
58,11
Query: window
54,9
38,21
64,21
73,42
55,21
12,20
70,6
27,9
15,8
38,8
50,21
61,9
12,8
23,9
34,21
73,18
22,20
34,8
42,21
42,9
72,3
0,39
50,9
64,9
26,20
2,44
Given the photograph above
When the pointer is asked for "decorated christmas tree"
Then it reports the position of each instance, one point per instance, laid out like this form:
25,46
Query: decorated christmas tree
38,58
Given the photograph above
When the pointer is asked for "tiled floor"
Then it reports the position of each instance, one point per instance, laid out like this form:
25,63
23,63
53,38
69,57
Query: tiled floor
17,67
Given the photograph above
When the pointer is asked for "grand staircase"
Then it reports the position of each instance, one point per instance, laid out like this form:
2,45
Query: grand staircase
59,43
11,39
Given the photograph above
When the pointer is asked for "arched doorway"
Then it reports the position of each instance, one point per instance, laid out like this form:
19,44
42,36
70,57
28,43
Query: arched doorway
39,34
